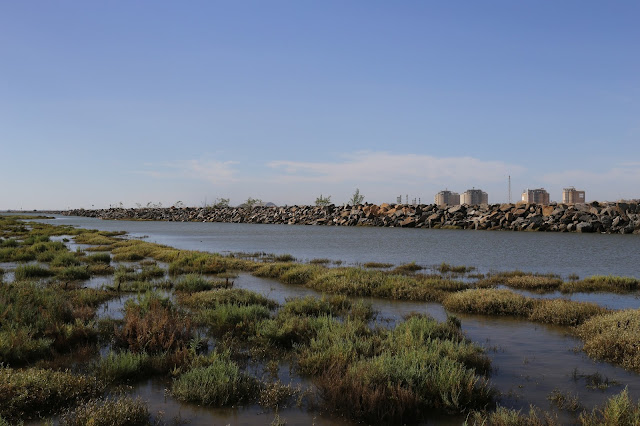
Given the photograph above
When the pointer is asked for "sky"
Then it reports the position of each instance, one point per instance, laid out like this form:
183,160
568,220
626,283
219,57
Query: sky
137,102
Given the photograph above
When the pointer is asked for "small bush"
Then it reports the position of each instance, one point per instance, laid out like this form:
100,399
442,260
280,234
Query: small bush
151,325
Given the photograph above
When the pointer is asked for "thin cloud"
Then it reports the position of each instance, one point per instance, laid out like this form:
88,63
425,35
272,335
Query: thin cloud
386,167
217,172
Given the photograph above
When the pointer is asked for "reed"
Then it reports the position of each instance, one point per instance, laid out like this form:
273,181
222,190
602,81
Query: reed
194,283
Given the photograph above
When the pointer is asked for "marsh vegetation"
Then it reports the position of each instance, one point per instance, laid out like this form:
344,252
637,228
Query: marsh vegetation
185,323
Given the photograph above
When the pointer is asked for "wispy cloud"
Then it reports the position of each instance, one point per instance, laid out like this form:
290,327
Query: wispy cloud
386,167
217,172
620,181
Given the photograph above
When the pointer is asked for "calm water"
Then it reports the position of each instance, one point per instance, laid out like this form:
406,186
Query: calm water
564,254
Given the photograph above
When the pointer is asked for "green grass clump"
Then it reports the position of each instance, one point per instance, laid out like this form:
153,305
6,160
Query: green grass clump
199,263
94,239
395,376
65,259
104,258
231,296
73,273
508,417
407,268
534,282
123,274
239,320
313,306
119,411
606,283
122,366
219,384
489,302
613,337
508,303
380,265
25,272
444,267
618,410
32,392
564,312
194,283
366,283
320,261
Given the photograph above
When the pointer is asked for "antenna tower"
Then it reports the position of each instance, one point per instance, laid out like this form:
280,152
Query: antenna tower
509,189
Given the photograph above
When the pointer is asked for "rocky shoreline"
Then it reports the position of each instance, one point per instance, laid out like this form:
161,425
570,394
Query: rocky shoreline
614,218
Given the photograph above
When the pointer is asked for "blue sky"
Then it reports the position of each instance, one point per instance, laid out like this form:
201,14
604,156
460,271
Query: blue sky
131,102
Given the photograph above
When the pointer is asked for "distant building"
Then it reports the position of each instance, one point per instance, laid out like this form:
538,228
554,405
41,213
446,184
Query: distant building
572,196
447,198
474,196
537,196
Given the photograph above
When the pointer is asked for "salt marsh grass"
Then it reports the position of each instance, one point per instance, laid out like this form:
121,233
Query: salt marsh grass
32,392
614,337
116,411
220,384
508,303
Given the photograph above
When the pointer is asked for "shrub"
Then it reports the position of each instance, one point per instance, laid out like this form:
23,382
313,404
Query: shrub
151,325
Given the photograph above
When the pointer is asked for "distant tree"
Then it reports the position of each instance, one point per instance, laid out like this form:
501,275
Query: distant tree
179,204
356,198
220,203
323,201
252,202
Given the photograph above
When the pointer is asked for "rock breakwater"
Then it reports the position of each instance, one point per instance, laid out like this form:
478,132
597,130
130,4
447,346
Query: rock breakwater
622,218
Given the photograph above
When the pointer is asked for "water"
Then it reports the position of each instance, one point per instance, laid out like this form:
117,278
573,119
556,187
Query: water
559,253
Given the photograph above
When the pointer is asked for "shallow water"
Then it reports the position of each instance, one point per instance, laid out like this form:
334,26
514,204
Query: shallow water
529,360
559,253
607,300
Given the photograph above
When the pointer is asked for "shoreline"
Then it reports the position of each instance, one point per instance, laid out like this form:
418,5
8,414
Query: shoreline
609,218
